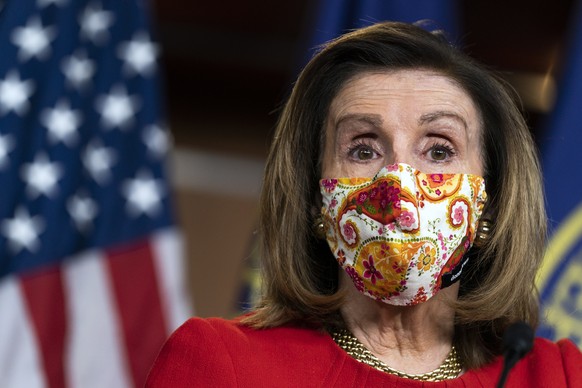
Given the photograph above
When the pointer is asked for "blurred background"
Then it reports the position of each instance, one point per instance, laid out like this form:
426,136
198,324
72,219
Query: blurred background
229,65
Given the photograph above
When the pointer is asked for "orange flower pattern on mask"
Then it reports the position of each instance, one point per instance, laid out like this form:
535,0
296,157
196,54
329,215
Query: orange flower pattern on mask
397,233
426,258
436,187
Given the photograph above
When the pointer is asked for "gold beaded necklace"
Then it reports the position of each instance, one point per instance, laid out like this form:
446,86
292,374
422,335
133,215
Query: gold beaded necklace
449,369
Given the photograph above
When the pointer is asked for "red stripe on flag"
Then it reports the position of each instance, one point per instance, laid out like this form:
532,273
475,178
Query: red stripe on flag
45,299
138,301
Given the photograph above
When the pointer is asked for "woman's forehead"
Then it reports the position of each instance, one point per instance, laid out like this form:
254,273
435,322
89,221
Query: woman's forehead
390,93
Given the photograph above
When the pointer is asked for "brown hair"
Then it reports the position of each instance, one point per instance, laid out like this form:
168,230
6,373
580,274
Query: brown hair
300,283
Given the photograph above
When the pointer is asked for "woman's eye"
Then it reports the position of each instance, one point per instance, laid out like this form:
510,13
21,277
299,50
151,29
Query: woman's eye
363,153
440,152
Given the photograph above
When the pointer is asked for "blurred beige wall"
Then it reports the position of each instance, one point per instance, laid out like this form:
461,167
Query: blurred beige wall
216,196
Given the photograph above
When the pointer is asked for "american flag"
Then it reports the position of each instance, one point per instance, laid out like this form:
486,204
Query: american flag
90,259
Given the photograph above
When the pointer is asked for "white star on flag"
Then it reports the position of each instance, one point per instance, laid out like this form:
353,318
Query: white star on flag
33,40
83,210
62,123
139,54
14,94
95,22
78,69
6,145
157,140
143,194
22,231
117,108
41,176
46,3
98,161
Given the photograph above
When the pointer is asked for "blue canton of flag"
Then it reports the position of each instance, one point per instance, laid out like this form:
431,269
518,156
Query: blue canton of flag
89,256
80,131
560,280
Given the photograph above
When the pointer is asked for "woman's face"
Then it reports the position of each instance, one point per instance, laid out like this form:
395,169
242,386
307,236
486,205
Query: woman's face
417,117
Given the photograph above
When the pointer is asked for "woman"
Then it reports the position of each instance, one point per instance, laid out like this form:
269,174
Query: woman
392,155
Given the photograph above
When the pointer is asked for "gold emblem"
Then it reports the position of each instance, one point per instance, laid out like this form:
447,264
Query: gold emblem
560,282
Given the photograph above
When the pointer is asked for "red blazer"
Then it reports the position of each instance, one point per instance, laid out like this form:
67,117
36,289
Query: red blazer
220,353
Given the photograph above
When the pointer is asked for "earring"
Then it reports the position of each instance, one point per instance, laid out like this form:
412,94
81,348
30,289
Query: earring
318,227
483,232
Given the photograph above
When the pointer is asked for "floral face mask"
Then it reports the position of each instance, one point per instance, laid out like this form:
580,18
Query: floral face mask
401,236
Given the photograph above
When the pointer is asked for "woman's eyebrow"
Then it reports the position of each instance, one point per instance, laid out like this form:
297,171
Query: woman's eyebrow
374,120
433,116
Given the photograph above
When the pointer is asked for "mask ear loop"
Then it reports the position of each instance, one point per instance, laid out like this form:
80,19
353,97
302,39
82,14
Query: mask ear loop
482,237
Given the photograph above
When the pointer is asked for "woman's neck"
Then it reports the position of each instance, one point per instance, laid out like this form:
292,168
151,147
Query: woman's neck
412,339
